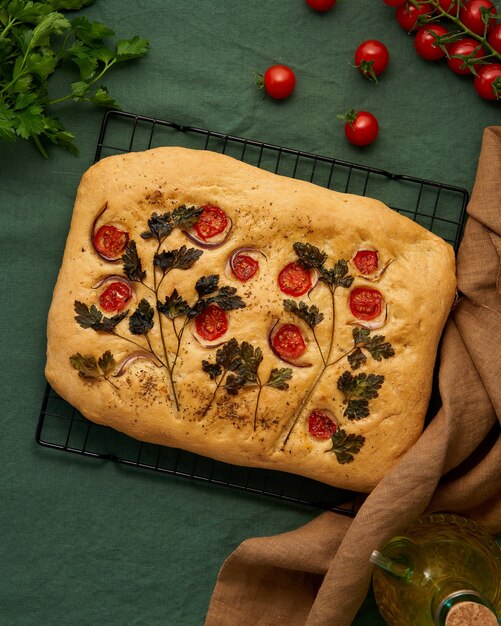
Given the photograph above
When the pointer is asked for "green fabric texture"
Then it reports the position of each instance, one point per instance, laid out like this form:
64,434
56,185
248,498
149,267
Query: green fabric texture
90,542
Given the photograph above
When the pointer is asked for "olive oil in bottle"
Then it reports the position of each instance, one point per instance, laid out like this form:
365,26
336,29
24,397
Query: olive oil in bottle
443,570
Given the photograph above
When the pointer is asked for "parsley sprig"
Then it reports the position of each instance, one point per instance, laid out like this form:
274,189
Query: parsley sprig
236,367
36,40
364,344
334,277
94,370
345,445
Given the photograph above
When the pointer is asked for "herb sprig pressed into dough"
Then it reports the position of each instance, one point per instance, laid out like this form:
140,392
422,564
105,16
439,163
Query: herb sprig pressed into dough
357,390
236,367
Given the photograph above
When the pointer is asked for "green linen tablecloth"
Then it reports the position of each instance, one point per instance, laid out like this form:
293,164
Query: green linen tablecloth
90,542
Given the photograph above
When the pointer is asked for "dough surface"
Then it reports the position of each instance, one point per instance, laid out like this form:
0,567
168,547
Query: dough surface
262,425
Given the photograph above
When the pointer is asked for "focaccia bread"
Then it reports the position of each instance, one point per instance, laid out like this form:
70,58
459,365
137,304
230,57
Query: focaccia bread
209,305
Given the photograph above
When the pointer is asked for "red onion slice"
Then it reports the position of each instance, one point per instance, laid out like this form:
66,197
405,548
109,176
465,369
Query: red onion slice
212,242
206,343
297,362
112,258
372,324
315,276
112,278
134,356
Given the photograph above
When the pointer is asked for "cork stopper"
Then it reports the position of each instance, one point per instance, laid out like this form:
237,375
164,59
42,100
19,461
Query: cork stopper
470,614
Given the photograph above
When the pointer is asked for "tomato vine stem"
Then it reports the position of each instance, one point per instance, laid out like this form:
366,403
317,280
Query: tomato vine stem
455,18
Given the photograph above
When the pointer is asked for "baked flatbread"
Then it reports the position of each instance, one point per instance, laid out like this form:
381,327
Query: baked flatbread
212,306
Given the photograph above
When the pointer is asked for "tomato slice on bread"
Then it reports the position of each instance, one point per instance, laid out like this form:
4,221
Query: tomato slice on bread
115,297
366,261
110,242
294,279
212,323
366,303
244,267
212,221
321,425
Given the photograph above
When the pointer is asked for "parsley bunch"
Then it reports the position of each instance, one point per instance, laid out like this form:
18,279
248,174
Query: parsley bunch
36,39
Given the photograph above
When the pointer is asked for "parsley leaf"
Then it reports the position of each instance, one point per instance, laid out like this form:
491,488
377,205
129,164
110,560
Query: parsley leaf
356,358
227,299
309,255
160,227
214,370
361,386
93,370
185,217
207,285
86,366
310,314
132,263
379,348
345,446
141,321
228,356
279,377
182,259
93,318
174,306
337,276
358,390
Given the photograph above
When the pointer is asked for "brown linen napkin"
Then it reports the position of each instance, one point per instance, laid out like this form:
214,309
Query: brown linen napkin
318,575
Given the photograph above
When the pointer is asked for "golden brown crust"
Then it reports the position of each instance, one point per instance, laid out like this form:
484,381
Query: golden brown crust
269,212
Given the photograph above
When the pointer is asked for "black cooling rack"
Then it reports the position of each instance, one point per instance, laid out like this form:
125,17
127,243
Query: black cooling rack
439,207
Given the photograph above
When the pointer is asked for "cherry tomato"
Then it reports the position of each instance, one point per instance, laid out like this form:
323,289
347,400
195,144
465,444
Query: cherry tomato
494,38
425,42
212,222
110,242
462,54
471,16
320,425
449,6
321,5
366,261
244,267
366,303
394,3
115,297
294,279
371,58
488,81
212,323
408,14
288,342
279,81
361,127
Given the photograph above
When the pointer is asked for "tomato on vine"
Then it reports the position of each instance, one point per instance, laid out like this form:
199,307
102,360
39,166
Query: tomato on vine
449,6
494,38
408,14
372,58
472,16
321,5
487,83
394,3
361,127
463,55
425,42
278,80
